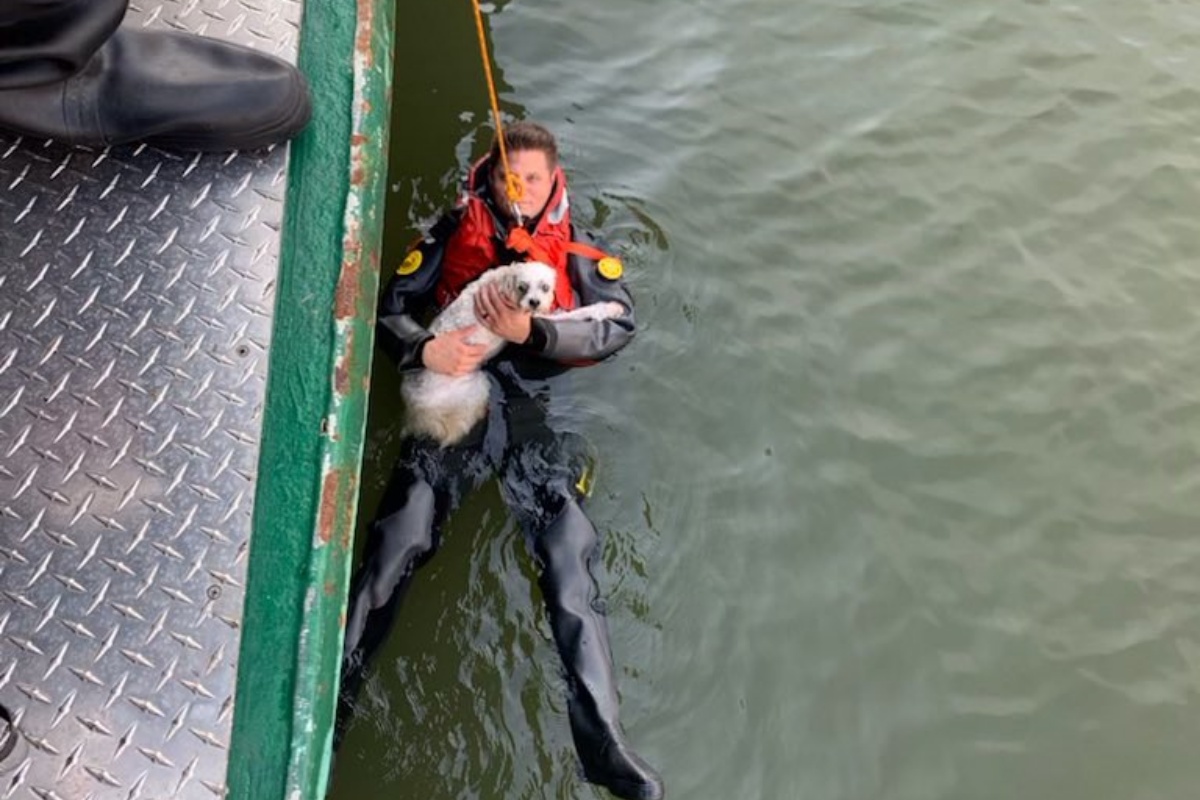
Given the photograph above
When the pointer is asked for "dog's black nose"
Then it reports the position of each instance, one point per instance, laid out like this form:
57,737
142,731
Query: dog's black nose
534,303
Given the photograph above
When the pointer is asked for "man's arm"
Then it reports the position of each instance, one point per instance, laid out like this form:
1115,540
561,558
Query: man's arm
587,340
409,292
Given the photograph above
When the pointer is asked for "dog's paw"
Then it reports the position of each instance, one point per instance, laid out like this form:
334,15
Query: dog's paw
611,310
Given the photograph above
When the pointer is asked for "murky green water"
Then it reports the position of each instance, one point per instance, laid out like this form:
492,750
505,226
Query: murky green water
899,481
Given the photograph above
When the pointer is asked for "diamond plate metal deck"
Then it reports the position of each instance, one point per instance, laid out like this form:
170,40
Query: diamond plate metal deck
136,296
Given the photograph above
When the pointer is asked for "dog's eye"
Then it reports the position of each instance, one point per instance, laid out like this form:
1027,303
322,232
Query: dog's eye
522,287
545,287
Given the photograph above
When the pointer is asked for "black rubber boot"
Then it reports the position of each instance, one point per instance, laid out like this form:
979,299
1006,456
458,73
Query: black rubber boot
565,550
172,90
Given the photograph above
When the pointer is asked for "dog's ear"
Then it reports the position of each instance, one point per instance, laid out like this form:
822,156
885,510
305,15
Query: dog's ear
509,283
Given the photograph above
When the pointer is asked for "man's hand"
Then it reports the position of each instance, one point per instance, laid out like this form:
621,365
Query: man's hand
500,315
451,354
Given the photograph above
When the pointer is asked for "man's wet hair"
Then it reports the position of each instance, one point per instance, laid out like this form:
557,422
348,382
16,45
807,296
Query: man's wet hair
527,136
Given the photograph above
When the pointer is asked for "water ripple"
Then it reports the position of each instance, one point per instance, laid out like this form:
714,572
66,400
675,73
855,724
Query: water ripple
898,480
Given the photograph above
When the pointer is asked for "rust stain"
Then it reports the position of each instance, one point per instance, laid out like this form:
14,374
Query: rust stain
338,492
345,298
348,508
358,162
344,368
366,27
346,542
329,505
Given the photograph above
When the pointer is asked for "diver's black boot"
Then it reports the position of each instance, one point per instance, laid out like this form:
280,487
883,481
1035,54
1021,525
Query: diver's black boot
400,540
565,550
172,90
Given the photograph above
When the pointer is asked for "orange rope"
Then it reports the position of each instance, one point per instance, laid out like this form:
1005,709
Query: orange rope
512,182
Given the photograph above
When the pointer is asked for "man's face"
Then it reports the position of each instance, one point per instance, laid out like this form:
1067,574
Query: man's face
533,168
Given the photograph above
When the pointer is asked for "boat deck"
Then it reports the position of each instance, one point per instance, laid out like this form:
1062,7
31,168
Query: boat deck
137,302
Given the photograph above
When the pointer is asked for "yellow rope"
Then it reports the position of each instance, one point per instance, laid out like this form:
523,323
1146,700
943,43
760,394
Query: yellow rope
512,182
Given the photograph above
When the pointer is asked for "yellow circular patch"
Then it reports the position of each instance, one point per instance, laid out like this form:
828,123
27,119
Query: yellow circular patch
411,263
610,268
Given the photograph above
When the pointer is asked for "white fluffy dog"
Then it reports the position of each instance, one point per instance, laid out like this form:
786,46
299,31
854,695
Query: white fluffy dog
446,407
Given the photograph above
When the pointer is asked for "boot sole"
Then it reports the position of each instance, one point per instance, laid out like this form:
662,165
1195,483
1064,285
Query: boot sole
638,791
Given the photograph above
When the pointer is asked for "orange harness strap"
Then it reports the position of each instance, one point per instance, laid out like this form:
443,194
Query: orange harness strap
586,250
521,241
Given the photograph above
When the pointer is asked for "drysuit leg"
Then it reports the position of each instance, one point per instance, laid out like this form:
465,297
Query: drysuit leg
548,476
426,485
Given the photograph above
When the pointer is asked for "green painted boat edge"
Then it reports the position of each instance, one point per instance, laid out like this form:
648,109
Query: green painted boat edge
315,410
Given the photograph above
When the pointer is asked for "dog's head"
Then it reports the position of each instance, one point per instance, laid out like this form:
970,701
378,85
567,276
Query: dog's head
531,286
